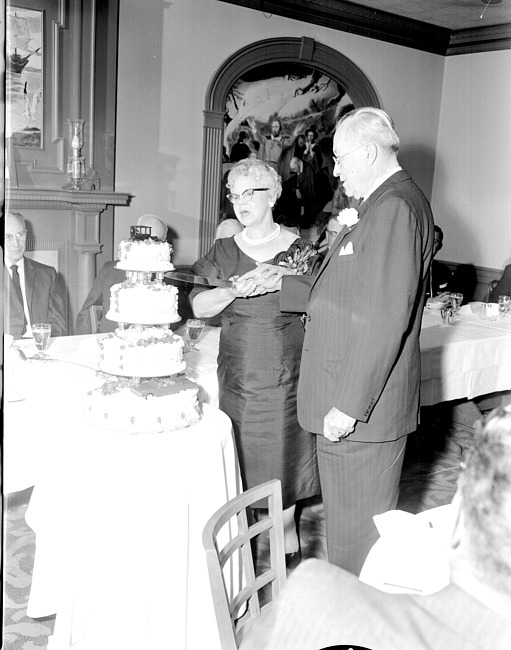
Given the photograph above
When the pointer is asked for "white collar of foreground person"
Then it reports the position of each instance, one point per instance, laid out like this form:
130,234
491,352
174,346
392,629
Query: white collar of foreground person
382,180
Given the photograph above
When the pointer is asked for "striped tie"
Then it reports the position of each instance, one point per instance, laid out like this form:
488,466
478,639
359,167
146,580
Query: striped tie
19,293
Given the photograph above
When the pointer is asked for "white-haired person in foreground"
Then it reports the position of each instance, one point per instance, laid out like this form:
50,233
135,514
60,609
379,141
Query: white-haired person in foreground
323,605
108,276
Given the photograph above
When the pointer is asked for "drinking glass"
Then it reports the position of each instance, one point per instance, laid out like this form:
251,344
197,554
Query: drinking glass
194,328
456,300
504,305
41,333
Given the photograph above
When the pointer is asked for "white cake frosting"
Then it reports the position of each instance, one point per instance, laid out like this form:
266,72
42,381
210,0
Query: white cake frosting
146,303
143,407
151,352
144,255
164,400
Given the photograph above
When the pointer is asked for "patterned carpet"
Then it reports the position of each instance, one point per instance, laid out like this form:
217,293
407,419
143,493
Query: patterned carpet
429,476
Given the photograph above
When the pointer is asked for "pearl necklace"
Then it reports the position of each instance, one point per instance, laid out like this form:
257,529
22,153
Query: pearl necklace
259,242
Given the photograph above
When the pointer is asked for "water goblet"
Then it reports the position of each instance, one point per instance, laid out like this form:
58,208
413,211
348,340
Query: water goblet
504,305
456,300
41,333
194,328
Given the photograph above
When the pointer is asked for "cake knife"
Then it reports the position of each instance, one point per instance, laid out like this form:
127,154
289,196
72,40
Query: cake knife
199,279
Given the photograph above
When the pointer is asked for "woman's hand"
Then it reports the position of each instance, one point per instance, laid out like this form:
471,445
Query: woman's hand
245,287
267,276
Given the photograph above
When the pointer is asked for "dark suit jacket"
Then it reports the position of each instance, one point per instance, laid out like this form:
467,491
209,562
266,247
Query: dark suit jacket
503,288
361,349
44,300
324,606
100,295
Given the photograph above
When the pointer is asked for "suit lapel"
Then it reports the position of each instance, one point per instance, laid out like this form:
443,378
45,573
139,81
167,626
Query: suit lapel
362,209
30,278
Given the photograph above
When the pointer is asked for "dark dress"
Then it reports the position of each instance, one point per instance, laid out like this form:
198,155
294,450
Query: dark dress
258,366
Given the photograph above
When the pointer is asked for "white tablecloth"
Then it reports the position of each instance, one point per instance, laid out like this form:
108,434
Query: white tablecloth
465,360
461,361
118,517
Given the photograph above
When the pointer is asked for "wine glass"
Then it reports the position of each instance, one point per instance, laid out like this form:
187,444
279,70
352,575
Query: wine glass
41,333
504,305
456,300
194,328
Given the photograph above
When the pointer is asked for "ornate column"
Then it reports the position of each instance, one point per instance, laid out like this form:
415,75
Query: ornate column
211,178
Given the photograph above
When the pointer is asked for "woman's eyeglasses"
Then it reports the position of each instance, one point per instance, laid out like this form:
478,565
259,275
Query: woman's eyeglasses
246,195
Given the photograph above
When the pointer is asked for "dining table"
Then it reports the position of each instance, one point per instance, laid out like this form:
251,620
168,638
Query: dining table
464,360
117,516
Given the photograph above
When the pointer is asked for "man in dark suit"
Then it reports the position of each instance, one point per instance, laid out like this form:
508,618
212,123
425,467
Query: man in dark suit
31,289
323,606
440,275
503,287
360,368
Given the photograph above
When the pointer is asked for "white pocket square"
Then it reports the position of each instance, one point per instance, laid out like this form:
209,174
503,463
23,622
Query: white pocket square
347,250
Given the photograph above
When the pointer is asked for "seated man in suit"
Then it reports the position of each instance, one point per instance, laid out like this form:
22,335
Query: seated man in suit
108,276
32,290
503,288
324,606
440,275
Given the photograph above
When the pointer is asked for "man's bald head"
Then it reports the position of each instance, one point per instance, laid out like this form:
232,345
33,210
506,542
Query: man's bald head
157,225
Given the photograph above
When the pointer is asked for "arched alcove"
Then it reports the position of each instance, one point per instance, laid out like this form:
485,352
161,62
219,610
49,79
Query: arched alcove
303,50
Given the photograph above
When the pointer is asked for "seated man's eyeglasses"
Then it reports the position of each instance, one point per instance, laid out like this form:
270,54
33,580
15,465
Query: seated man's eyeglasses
18,235
246,195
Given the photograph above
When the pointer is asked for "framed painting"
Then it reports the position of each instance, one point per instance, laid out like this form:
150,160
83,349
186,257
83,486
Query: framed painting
24,77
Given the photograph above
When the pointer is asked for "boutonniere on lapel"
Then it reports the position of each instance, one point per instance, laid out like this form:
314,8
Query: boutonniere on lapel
348,217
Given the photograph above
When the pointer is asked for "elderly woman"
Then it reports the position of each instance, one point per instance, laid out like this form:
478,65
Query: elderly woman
260,347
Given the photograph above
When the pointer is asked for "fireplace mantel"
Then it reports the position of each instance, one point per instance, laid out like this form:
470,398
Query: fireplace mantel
44,198
72,222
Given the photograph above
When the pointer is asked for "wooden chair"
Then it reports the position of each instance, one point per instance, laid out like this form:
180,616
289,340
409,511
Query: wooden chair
96,313
237,608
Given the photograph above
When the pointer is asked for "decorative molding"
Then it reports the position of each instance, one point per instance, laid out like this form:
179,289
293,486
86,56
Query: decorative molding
44,199
305,51
481,39
381,25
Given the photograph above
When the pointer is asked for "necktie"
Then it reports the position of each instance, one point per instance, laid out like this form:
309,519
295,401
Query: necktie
19,293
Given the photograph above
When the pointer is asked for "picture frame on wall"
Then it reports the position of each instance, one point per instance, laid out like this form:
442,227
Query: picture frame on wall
24,77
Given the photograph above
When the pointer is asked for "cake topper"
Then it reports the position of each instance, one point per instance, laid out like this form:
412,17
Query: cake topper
140,233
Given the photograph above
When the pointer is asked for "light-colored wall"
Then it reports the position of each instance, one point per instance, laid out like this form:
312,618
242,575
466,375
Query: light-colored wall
168,53
472,186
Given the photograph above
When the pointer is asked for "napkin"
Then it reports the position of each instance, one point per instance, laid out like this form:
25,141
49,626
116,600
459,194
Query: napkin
411,556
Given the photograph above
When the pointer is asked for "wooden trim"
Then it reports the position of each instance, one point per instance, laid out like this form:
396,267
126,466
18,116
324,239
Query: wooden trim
381,25
481,39
274,50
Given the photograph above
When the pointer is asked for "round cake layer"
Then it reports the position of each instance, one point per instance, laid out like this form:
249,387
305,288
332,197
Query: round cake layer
144,255
152,352
148,303
147,407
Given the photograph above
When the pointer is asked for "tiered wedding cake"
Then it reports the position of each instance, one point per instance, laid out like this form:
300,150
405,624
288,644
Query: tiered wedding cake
146,392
